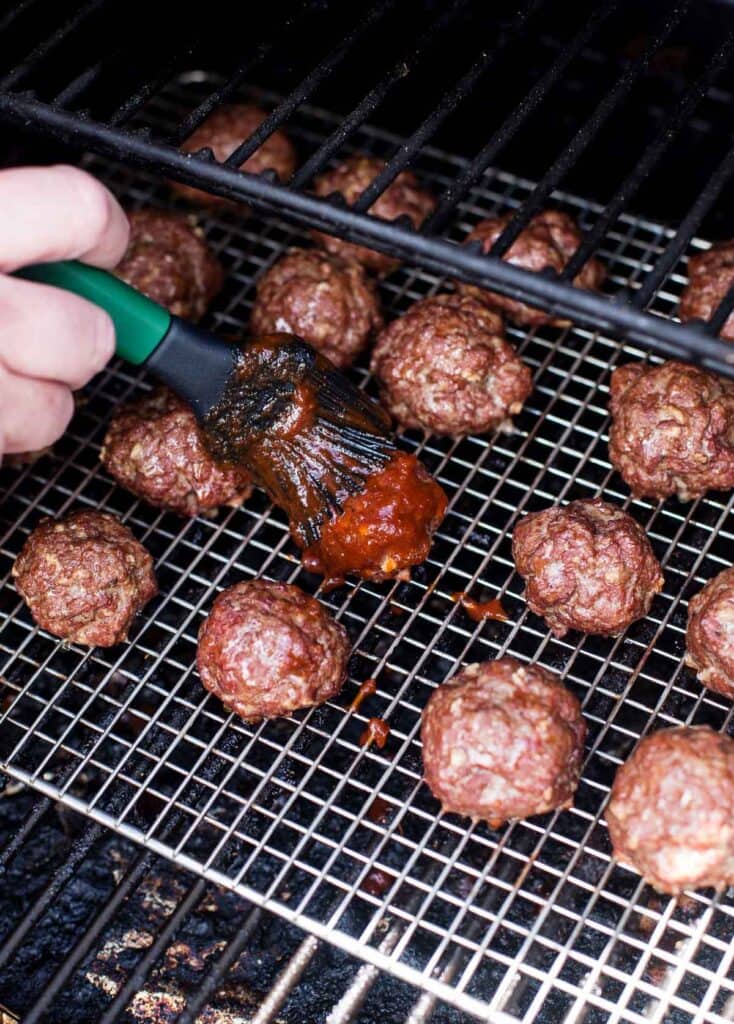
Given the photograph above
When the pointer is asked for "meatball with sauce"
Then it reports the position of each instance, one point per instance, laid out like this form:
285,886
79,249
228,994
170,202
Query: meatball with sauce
502,740
672,430
383,530
85,577
223,132
155,449
671,810
446,367
587,566
168,260
329,302
405,196
710,634
268,649
710,275
549,241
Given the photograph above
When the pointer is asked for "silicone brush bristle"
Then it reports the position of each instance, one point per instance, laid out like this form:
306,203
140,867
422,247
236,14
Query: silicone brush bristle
308,436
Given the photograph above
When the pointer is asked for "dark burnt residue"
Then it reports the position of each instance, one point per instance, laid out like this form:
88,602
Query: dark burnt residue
377,732
367,689
386,529
309,438
480,611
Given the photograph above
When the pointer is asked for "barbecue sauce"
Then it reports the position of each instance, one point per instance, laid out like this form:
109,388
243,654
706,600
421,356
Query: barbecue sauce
367,689
480,611
385,529
377,732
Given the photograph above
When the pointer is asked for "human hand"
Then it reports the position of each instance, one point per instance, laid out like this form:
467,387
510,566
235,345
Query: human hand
51,341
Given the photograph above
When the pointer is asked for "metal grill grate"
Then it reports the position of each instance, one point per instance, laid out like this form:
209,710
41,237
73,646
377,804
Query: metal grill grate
533,921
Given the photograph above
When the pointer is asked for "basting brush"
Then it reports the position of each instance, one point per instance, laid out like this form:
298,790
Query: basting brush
308,437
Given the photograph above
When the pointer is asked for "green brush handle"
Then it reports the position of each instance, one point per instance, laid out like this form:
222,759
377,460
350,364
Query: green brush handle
140,323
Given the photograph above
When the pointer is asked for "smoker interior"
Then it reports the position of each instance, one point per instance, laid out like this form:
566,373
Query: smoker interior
533,921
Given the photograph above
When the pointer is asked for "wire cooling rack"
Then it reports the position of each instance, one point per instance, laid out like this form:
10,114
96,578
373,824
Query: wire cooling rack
532,922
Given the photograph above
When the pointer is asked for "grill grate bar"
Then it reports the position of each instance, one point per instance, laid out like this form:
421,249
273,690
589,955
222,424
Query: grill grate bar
245,66
688,225
138,975
209,984
127,885
722,311
446,106
586,134
137,99
691,98
40,808
79,850
372,100
473,172
14,77
305,89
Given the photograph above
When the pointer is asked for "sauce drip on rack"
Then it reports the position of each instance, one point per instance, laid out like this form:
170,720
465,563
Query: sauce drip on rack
367,689
376,732
480,611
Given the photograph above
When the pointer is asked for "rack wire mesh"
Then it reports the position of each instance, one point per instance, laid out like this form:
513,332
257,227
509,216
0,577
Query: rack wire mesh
531,922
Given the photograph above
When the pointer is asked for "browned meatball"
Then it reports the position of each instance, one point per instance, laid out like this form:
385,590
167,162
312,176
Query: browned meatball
85,577
445,366
710,634
671,812
385,529
223,131
327,301
672,430
168,260
405,196
154,448
502,740
710,275
549,240
268,649
587,566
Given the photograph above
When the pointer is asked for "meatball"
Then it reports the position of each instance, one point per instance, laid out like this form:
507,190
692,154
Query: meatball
85,577
385,529
710,634
223,132
502,740
154,447
405,196
168,260
446,367
671,810
267,649
710,275
327,301
672,430
549,241
587,566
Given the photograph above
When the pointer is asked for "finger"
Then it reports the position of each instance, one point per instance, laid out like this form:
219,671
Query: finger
58,213
33,413
48,333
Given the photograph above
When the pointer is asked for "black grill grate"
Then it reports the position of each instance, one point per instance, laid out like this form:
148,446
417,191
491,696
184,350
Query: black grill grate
534,921
48,81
